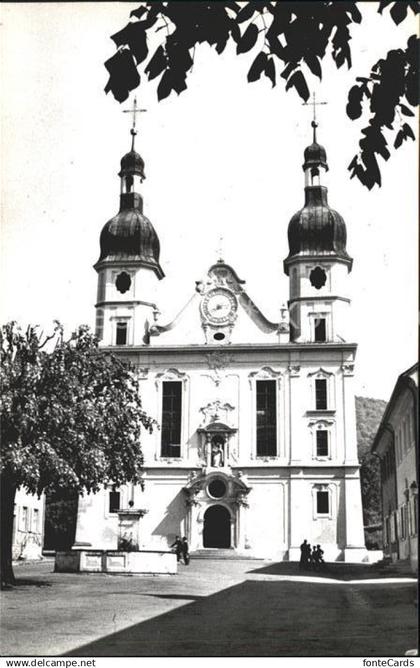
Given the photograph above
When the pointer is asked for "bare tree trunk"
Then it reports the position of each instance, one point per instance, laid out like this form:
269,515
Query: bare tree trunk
8,492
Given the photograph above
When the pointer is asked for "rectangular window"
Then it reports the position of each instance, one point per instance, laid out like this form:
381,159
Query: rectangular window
121,338
266,418
35,520
24,519
322,503
320,329
322,443
171,419
402,533
321,394
114,502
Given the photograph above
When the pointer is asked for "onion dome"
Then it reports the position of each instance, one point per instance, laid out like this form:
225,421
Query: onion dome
317,229
315,155
132,163
130,236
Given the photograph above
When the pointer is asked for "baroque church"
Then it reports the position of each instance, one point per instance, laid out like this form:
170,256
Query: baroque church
256,446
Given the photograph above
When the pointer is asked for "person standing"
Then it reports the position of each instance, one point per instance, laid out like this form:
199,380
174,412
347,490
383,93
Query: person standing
185,551
318,556
177,544
305,555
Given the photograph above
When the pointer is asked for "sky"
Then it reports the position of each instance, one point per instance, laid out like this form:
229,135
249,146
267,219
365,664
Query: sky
222,159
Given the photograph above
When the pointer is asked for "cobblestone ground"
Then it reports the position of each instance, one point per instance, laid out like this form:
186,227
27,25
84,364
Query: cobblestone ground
211,608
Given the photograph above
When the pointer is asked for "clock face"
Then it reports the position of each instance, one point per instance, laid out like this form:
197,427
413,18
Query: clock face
219,306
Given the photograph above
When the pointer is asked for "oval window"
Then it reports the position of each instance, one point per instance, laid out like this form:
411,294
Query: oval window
219,336
123,282
318,277
217,488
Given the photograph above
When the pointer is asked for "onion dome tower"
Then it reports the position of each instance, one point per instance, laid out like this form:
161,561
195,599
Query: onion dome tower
318,262
128,265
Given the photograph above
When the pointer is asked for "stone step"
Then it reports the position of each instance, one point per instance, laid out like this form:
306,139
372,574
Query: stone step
220,553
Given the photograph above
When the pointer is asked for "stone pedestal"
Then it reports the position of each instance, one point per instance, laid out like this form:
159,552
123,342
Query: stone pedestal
146,562
129,529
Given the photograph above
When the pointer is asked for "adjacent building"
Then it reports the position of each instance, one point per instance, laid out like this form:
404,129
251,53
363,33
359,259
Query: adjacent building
396,444
256,449
28,525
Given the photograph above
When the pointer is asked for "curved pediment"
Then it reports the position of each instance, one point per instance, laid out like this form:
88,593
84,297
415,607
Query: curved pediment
217,428
199,481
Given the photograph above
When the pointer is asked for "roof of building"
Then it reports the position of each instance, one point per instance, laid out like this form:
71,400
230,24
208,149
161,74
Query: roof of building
406,380
317,229
130,236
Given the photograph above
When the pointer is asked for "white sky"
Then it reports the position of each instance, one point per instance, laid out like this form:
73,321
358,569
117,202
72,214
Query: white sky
222,158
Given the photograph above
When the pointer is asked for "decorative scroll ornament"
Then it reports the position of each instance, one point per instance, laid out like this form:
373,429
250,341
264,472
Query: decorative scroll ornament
241,498
216,411
218,362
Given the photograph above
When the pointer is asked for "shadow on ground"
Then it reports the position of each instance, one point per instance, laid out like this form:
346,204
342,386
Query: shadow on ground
176,597
336,570
26,582
261,618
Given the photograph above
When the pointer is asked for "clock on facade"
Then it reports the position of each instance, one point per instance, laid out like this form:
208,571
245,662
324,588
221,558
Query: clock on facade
219,306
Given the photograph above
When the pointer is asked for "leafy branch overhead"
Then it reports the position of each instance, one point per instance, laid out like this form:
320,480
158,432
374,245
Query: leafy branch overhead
289,40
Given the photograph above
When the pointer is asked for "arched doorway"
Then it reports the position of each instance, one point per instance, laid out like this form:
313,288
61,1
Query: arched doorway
216,531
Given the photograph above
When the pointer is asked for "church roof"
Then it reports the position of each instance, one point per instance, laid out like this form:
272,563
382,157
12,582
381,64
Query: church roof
317,229
130,236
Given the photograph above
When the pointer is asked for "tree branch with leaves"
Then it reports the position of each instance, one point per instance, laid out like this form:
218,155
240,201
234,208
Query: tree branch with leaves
291,40
71,419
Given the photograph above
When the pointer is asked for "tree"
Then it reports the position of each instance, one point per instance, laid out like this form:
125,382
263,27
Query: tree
71,419
291,39
368,416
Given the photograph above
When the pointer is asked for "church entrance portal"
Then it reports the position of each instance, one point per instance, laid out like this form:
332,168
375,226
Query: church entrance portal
216,527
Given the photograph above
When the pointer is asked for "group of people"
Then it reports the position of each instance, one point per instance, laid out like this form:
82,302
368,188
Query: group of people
310,557
181,549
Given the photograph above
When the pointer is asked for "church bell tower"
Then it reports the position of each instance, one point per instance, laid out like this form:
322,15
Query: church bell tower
318,263
128,266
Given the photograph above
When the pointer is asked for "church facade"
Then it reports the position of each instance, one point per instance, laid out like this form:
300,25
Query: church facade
256,447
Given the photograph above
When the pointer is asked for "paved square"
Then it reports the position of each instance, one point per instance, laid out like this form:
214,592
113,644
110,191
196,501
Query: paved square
211,608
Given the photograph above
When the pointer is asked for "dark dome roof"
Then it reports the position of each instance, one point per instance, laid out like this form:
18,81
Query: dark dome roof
315,155
132,163
317,229
130,236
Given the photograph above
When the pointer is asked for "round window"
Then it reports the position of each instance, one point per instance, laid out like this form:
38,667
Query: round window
217,488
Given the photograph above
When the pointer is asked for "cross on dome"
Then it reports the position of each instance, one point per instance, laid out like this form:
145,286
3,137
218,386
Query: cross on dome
135,110
313,103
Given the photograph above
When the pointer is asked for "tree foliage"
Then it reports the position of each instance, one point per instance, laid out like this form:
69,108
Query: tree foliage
368,416
290,39
71,418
